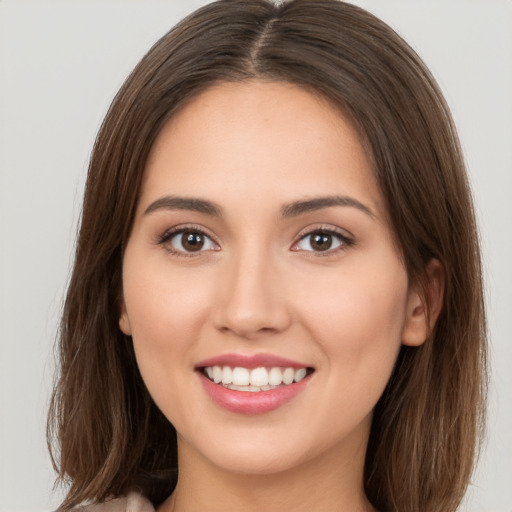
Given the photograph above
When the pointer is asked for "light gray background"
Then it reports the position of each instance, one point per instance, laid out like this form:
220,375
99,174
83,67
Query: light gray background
61,63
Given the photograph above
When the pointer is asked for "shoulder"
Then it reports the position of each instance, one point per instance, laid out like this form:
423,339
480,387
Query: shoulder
132,503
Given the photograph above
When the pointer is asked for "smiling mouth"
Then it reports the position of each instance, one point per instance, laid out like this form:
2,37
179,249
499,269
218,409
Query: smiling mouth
255,379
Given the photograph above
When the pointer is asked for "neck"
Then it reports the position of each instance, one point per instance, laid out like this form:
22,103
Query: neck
331,482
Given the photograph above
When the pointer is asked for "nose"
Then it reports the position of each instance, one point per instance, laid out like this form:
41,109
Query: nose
253,302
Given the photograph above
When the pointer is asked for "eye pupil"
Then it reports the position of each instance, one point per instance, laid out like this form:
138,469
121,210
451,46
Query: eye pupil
192,241
321,241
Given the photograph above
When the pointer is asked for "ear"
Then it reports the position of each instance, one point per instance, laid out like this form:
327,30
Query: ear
124,321
424,305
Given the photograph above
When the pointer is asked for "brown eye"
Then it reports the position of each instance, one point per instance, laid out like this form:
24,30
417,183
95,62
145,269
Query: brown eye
321,241
191,241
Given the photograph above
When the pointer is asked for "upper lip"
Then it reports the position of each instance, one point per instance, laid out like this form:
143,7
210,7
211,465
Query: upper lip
252,361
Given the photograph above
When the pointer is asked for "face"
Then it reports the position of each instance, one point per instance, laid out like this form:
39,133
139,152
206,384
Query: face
264,293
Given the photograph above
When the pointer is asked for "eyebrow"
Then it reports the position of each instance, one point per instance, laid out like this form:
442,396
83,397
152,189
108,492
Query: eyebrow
184,203
293,209
318,203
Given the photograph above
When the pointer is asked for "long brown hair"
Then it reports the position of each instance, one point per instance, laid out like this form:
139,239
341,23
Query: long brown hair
107,434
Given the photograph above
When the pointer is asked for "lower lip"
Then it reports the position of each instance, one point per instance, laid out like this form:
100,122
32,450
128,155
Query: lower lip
247,402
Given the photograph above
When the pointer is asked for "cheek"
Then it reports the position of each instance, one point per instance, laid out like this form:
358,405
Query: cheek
165,309
360,332
357,320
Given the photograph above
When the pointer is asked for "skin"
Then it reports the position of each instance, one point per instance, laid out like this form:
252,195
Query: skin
258,287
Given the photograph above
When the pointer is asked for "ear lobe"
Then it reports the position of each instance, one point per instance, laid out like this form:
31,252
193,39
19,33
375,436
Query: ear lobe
424,305
124,321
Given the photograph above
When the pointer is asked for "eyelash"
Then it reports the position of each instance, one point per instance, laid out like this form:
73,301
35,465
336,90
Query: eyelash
171,233
344,239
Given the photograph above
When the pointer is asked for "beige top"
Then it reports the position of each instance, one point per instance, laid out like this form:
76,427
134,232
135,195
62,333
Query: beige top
132,503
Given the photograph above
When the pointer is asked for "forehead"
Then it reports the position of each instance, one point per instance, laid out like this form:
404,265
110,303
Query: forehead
273,139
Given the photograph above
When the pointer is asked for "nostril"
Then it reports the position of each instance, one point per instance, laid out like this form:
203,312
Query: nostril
251,304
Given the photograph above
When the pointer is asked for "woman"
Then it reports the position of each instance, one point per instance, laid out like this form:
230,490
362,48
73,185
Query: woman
276,300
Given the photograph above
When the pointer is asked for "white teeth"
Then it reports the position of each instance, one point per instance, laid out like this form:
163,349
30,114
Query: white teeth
241,376
217,374
244,388
300,374
288,375
275,377
257,379
227,375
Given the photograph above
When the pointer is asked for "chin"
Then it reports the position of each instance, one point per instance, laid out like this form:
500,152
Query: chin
251,455
255,462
